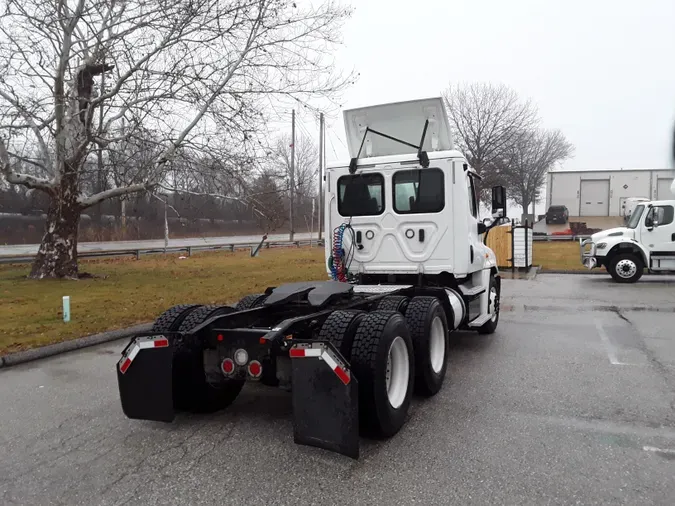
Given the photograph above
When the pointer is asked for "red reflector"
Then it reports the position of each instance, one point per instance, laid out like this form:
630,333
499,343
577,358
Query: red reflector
220,337
254,368
228,366
297,352
161,343
344,377
125,365
263,340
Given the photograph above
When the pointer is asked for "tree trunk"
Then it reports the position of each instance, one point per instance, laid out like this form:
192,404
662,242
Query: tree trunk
57,256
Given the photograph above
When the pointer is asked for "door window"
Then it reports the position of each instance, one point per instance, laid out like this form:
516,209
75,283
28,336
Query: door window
473,202
659,216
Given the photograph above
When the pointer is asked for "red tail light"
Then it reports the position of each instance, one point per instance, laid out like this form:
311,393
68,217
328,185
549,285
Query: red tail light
255,368
227,366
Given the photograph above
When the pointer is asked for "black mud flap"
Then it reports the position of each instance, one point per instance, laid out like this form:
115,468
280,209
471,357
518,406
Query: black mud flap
325,399
144,378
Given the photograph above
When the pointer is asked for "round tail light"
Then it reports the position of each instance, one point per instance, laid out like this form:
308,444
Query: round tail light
255,368
227,366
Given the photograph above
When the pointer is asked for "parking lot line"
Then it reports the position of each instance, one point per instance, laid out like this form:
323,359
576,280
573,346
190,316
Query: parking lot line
658,450
609,347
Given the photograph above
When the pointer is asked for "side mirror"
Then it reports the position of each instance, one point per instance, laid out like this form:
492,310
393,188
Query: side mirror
482,228
498,202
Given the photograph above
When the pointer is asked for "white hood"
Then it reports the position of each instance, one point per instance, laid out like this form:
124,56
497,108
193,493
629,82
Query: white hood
402,120
623,231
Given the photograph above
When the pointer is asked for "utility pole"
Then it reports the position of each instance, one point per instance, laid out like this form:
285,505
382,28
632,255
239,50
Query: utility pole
292,173
321,149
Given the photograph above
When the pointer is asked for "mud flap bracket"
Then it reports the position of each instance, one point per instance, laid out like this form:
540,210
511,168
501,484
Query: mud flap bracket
325,399
144,378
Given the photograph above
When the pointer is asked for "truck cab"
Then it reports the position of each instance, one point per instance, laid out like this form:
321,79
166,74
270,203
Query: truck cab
646,242
399,212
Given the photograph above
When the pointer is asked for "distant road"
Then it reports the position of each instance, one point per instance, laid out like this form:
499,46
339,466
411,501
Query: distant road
31,249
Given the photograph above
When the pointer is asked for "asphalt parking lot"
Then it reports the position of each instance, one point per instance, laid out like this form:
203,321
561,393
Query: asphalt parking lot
572,401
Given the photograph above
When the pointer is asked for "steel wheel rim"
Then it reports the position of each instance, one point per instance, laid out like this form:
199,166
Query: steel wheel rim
398,372
626,268
494,305
437,345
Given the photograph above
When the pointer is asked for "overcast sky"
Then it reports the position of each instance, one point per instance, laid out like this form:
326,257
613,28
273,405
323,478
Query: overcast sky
603,71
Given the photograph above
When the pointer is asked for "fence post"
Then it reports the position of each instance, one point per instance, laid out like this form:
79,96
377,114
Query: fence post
189,251
513,246
526,229
138,254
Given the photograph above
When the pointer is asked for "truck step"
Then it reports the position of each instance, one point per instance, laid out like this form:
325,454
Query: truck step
479,321
470,291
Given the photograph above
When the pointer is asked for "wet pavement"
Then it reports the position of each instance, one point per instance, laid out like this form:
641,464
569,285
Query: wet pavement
572,401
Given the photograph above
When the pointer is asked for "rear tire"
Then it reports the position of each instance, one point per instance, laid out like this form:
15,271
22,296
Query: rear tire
428,325
191,391
171,319
339,329
382,360
393,303
251,301
626,268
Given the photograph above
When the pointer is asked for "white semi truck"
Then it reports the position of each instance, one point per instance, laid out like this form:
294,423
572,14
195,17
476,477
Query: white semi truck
407,263
647,242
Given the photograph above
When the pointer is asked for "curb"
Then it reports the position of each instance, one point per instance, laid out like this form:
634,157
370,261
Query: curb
562,271
50,350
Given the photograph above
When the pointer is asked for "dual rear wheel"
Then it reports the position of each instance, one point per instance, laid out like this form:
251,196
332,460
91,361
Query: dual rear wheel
398,349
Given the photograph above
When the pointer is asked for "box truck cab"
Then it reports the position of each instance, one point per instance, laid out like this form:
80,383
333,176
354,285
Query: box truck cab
646,242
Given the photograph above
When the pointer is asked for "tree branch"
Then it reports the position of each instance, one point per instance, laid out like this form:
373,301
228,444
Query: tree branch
85,202
47,159
21,179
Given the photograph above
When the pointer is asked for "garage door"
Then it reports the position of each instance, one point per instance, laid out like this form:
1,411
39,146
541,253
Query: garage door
594,198
663,190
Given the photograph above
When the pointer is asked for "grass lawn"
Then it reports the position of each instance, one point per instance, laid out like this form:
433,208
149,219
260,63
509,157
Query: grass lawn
127,292
557,255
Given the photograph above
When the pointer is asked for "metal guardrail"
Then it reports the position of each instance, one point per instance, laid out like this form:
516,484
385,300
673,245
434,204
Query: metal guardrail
138,252
188,250
559,237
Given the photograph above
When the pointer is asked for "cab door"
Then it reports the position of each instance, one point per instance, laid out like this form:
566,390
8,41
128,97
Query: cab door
659,236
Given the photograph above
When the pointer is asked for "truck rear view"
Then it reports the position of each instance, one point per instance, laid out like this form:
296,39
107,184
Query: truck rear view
408,266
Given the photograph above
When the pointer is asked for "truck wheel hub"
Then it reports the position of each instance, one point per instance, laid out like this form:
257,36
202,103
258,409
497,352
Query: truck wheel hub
398,372
437,345
493,303
626,268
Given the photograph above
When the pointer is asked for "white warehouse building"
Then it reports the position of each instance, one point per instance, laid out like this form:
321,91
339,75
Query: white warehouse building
602,192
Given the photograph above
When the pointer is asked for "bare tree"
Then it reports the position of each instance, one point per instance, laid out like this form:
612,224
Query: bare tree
486,119
80,78
306,170
268,204
529,158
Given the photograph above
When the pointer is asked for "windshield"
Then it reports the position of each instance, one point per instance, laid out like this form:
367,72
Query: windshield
635,217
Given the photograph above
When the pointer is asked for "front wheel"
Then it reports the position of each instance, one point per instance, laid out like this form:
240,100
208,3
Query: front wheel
493,307
626,268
